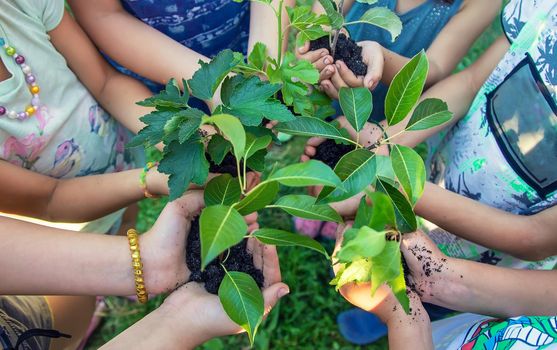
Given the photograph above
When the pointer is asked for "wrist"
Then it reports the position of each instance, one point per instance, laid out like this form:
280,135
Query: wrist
157,183
449,288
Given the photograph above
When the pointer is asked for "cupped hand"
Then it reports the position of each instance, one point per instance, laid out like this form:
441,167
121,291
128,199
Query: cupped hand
193,299
318,58
163,247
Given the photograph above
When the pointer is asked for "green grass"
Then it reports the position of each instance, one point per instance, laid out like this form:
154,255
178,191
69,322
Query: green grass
306,319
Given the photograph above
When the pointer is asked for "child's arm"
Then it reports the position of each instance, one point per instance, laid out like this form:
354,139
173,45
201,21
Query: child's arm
475,287
264,25
41,260
116,92
530,238
80,199
445,52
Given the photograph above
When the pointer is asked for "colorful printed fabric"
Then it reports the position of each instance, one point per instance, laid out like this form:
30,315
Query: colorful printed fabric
205,26
503,152
70,135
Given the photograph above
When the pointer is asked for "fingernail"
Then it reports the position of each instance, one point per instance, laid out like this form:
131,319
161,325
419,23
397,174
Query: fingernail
301,49
282,292
326,61
338,65
329,70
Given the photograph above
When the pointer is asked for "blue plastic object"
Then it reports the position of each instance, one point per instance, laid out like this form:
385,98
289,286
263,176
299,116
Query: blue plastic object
360,327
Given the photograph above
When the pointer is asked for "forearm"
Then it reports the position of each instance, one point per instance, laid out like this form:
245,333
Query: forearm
135,45
164,331
501,292
412,329
477,222
394,63
263,16
39,260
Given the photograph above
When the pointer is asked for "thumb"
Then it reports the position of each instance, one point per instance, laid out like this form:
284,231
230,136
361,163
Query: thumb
273,293
305,48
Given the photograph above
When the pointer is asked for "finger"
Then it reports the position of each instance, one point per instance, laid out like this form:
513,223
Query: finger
253,227
321,63
348,76
328,87
315,141
304,158
314,56
186,207
337,80
374,72
309,151
252,179
271,266
256,250
251,218
272,294
302,49
327,72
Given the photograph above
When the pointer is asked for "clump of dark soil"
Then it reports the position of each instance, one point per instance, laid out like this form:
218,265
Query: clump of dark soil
227,166
330,152
239,259
346,50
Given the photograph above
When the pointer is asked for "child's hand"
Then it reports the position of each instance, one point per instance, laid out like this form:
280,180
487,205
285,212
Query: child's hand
192,301
319,58
372,56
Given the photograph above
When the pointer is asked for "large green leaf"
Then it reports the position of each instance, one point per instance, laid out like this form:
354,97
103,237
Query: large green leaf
410,171
258,56
385,265
311,173
233,130
217,148
223,189
206,79
307,23
221,228
429,113
190,124
406,88
294,75
382,212
153,132
283,238
251,100
309,126
259,197
405,217
242,301
185,163
384,18
257,161
398,285
170,97
357,170
356,103
358,271
363,214
335,18
366,243
254,144
303,206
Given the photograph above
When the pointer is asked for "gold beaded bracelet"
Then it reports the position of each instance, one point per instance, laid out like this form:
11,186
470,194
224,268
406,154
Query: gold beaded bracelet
137,266
143,179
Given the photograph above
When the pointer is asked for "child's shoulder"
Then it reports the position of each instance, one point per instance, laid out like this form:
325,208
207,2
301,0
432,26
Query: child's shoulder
47,12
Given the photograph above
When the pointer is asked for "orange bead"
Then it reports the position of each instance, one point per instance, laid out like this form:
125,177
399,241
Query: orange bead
35,89
30,110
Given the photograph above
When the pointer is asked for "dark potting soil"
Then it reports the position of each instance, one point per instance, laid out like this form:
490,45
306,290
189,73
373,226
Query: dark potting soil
239,259
227,166
330,152
346,50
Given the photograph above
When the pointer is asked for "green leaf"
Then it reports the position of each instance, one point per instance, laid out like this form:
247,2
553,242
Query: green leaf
405,217
367,243
206,79
335,18
382,212
251,100
293,74
410,171
257,161
217,148
398,285
223,189
233,130
311,173
286,239
429,113
190,120
170,97
258,198
406,88
185,163
221,228
254,144
304,207
153,132
383,17
357,170
308,24
242,301
258,55
356,103
358,271
363,214
309,126
385,266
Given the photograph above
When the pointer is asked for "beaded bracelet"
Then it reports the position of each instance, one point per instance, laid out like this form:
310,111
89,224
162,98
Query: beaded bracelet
137,266
143,179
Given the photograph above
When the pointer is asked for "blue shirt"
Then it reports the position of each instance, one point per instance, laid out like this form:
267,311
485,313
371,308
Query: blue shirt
420,27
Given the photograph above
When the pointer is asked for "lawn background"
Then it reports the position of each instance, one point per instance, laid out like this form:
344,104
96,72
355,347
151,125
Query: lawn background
305,319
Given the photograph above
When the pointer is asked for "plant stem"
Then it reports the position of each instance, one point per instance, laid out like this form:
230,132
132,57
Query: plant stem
226,257
280,36
337,32
358,140
238,169
245,175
